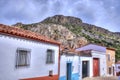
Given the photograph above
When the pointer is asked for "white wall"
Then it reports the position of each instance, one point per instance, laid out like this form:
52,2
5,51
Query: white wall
38,66
102,61
90,67
63,62
116,68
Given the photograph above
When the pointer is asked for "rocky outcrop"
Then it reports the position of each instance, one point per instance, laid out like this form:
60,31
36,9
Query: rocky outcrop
93,31
68,20
57,32
60,19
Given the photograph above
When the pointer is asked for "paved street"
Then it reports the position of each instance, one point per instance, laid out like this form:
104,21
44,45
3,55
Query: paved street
101,78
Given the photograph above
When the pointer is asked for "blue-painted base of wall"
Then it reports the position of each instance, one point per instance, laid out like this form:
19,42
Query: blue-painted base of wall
75,76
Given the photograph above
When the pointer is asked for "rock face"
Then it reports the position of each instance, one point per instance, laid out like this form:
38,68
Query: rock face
68,20
57,32
73,33
60,19
94,32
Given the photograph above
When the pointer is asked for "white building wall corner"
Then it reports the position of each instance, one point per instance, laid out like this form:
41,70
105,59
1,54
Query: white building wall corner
102,62
89,59
38,66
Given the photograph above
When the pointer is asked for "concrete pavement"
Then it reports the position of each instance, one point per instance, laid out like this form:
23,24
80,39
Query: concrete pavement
101,78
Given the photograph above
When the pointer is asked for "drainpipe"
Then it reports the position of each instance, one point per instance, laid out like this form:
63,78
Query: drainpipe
59,56
79,68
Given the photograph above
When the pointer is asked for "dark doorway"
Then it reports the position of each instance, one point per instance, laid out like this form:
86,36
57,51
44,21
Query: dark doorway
113,71
69,71
84,69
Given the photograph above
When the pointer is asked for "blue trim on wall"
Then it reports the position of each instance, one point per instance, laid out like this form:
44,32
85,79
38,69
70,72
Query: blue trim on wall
69,61
75,76
63,78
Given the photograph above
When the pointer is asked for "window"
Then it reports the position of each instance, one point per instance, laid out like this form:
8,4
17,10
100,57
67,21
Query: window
22,58
113,59
50,56
110,70
118,67
51,73
108,57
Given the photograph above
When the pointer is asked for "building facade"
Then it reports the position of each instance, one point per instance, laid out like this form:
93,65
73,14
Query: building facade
85,64
27,56
110,59
99,63
69,66
95,62
117,68
89,61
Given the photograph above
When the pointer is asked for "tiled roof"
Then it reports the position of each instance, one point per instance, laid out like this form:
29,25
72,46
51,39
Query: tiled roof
65,49
86,53
92,47
118,62
9,30
111,49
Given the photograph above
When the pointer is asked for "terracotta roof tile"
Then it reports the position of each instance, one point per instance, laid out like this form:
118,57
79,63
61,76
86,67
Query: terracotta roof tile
111,48
69,50
118,62
15,31
86,53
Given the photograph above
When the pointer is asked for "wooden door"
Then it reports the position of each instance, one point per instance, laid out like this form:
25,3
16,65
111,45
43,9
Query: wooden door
95,67
85,69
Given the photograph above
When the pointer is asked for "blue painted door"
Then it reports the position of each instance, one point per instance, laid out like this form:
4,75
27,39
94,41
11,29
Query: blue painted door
69,71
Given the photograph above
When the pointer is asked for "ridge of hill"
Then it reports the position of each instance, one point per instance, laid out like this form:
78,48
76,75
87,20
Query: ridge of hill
72,32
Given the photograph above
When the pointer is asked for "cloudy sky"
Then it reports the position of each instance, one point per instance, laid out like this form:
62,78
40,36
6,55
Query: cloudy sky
103,13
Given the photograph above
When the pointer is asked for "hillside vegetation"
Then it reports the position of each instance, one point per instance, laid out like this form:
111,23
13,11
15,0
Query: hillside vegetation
72,32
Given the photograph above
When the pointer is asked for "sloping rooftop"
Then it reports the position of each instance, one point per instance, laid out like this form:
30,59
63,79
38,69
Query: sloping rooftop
118,62
92,47
86,53
15,31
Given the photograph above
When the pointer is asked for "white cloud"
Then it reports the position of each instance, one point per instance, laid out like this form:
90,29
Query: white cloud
104,13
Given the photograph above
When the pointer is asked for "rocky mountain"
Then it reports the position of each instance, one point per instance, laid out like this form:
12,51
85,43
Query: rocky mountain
57,32
73,33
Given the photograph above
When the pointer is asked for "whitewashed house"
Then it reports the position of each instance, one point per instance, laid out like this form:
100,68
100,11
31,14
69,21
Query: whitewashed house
94,65
85,64
69,65
72,65
87,61
27,56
